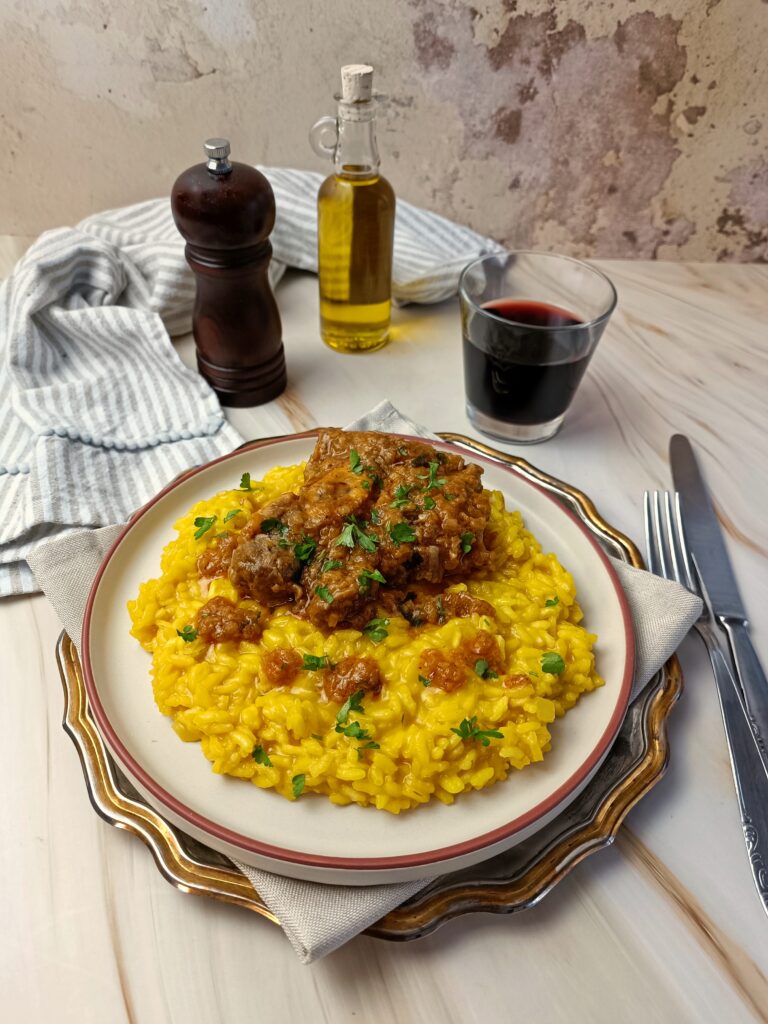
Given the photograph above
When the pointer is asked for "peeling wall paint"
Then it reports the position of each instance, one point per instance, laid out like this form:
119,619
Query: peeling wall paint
628,128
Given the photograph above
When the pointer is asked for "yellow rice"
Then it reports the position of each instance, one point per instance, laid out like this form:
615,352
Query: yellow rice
219,695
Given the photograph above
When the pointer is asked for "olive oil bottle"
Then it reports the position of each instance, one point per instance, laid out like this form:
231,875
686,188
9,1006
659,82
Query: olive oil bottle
355,222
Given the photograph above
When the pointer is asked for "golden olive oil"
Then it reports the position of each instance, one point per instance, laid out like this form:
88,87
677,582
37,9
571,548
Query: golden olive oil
355,225
355,222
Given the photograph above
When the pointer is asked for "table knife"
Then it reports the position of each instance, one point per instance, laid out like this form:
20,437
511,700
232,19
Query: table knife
705,540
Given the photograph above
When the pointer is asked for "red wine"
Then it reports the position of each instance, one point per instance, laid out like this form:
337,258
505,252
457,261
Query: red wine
524,364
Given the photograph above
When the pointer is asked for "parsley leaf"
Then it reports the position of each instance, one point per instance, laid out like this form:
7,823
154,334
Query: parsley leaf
332,563
402,533
366,543
440,609
365,577
347,536
429,503
232,513
354,730
402,451
324,594
354,462
187,634
366,485
376,630
466,542
203,524
552,602
468,730
433,481
483,669
306,549
424,681
553,663
401,495
315,736
245,482
375,517
274,526
313,662
351,704
297,784
260,756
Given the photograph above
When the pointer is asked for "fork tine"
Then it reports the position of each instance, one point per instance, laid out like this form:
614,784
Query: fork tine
650,537
671,537
688,577
658,531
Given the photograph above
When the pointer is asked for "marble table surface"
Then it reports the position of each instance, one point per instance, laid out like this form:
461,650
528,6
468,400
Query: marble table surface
663,926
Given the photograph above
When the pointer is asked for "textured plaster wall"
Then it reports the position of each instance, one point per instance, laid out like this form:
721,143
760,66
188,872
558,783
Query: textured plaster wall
626,128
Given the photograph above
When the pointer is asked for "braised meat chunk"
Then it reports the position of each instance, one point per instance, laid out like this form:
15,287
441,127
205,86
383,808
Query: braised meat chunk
219,620
374,514
350,676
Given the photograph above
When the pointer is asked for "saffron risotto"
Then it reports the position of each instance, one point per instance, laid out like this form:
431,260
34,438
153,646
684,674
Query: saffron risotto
219,695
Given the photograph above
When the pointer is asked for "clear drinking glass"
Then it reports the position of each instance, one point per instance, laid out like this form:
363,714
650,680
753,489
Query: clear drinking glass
530,323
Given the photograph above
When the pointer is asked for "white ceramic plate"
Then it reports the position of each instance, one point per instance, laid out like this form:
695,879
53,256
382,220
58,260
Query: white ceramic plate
314,839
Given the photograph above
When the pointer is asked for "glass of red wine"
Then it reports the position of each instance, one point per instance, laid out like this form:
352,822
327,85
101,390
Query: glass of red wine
530,323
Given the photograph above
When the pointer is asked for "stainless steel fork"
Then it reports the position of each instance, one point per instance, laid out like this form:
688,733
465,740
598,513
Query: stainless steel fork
668,557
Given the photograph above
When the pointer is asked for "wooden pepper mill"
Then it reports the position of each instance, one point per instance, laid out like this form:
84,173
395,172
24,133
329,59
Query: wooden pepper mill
226,211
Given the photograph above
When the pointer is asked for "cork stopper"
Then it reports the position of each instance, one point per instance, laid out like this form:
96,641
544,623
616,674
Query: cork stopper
356,83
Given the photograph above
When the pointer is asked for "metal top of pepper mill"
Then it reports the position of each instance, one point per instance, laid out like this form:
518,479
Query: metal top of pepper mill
217,151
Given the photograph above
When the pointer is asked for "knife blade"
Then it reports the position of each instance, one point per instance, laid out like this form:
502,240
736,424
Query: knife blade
704,533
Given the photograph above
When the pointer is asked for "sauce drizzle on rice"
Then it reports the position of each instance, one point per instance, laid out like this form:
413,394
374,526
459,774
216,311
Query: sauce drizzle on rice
351,615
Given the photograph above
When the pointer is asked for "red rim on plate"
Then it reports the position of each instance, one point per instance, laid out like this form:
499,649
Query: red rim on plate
445,853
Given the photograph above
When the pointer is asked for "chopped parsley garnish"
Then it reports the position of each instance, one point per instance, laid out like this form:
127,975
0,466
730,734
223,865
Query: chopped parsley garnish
332,563
260,756
354,462
297,784
449,497
232,513
424,681
324,594
187,634
466,542
552,602
375,517
367,576
468,730
354,730
440,609
315,736
483,669
376,630
366,485
433,481
401,495
552,662
274,526
347,536
305,549
313,662
203,524
429,503
352,533
245,482
402,451
402,533
366,543
353,703
370,745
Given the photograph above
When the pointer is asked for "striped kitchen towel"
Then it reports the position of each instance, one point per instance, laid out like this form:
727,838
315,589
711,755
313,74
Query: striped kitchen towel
98,412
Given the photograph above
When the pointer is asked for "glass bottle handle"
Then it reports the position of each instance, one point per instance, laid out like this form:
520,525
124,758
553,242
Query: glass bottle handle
325,128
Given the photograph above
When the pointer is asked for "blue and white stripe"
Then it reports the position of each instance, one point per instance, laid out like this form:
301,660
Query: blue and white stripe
97,411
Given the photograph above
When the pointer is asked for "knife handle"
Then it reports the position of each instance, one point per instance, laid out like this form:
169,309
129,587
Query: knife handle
748,773
751,678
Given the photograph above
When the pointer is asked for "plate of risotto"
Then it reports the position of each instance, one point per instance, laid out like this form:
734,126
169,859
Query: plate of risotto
356,657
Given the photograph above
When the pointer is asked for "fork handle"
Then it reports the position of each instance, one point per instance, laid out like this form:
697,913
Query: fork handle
748,772
750,676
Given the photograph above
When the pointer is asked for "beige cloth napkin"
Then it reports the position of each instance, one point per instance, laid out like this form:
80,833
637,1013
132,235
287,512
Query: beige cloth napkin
319,918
